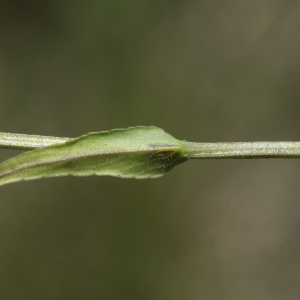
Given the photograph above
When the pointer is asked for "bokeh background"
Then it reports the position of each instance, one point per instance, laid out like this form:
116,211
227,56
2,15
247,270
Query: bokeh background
204,71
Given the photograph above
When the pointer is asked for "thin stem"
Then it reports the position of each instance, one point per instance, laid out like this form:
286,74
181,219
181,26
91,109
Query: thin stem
28,142
190,150
243,150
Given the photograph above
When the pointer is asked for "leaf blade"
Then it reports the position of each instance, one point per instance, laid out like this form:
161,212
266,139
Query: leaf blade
135,152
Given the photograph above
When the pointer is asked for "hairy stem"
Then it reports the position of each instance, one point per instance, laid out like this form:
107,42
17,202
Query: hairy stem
190,150
28,142
243,150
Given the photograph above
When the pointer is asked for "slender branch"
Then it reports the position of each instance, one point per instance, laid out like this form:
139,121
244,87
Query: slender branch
28,142
136,152
190,150
243,150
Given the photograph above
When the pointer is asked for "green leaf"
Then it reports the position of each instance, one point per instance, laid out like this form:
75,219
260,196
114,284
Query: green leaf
136,152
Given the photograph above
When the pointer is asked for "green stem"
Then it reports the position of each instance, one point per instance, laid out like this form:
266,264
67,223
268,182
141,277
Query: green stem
243,150
28,142
190,150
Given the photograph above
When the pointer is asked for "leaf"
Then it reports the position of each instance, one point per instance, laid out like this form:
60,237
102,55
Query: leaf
136,152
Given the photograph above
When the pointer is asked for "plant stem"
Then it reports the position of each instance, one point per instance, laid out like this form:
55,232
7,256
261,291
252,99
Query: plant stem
28,142
243,150
190,150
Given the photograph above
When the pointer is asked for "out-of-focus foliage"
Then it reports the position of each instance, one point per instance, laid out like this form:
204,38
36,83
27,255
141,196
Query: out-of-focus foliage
204,70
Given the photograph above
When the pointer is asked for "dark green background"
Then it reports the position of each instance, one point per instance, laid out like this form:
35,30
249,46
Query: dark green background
204,71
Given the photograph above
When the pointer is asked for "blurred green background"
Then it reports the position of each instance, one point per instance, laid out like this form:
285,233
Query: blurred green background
204,71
